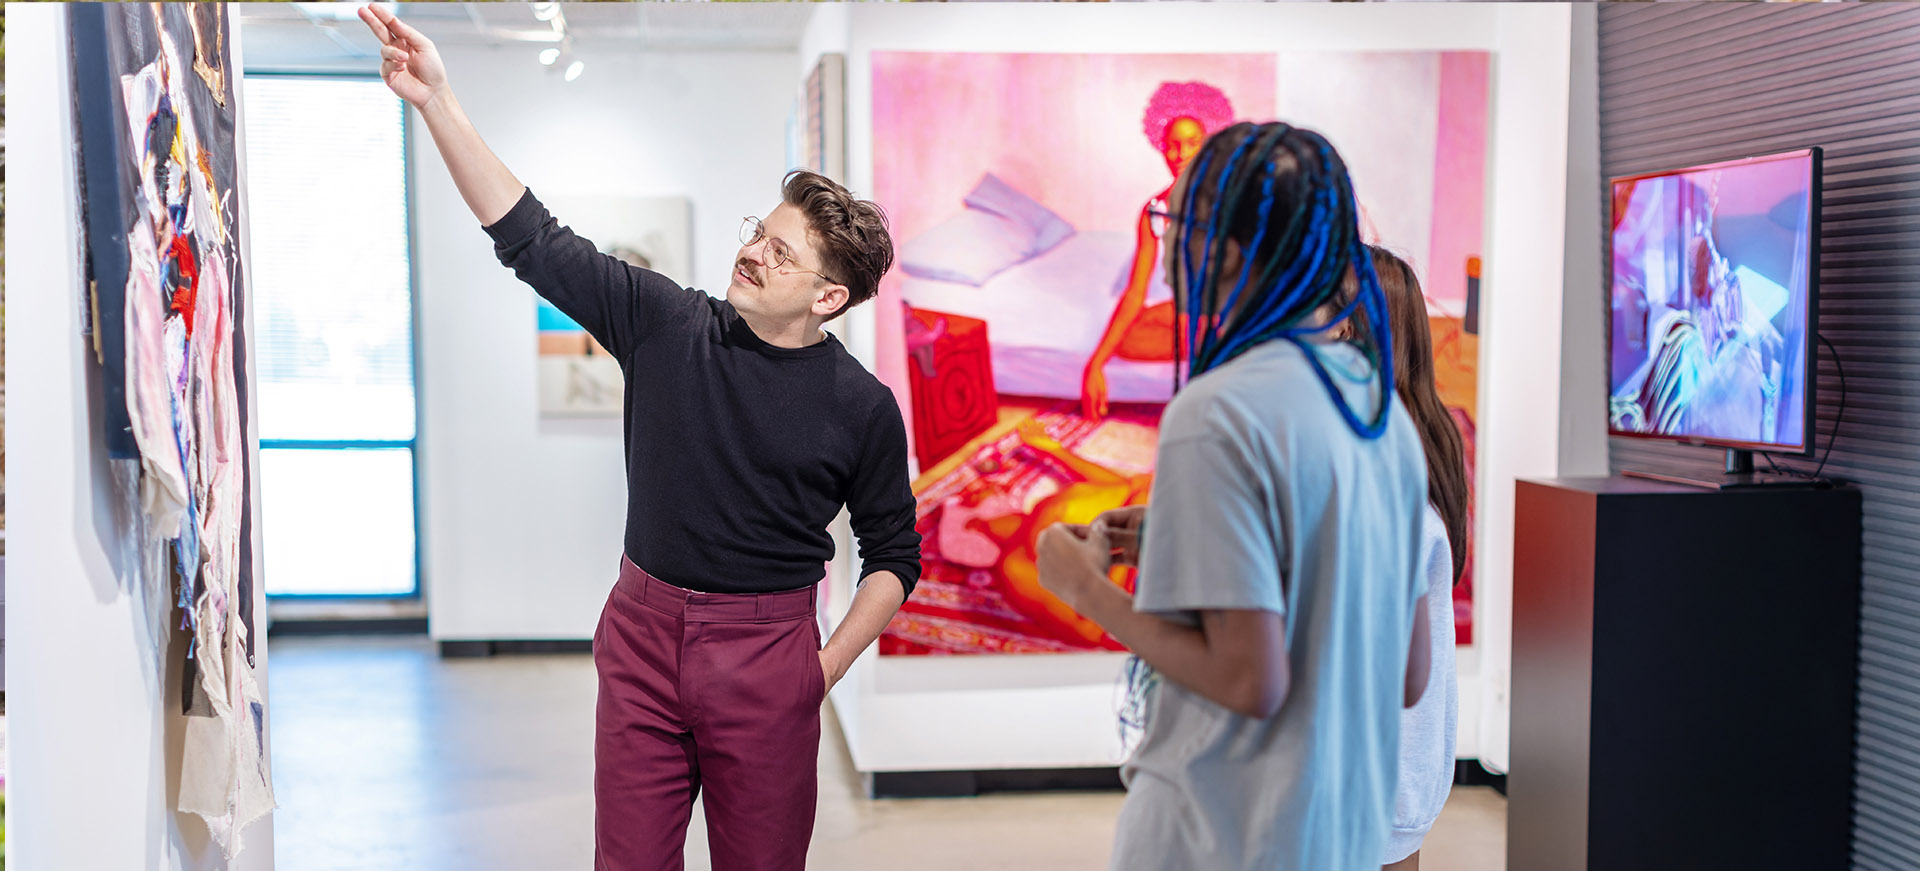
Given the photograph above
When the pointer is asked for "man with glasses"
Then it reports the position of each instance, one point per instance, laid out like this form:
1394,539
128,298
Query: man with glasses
747,429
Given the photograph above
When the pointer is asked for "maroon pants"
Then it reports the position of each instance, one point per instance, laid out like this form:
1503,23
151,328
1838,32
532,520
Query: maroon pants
705,690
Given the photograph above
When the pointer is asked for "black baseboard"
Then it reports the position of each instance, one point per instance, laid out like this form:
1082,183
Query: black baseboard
460,649
376,626
1469,772
962,784
465,649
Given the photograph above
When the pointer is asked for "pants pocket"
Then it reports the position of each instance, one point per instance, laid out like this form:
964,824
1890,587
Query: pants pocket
819,671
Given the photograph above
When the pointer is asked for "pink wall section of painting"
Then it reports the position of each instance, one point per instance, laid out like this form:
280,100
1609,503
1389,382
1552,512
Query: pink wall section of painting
1025,327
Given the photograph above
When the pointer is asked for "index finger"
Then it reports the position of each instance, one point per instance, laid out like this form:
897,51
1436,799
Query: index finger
379,28
401,28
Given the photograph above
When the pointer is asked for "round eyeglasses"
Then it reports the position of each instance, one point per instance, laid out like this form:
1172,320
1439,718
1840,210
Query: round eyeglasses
752,231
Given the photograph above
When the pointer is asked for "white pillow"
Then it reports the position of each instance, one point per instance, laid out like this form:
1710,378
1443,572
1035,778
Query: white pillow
1000,228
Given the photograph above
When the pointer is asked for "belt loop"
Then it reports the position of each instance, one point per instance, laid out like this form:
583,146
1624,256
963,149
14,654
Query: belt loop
760,607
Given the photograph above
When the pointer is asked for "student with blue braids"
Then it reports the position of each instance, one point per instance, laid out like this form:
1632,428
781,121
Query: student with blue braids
1274,616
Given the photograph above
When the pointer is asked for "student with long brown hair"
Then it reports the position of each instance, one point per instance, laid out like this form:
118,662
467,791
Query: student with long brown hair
1426,729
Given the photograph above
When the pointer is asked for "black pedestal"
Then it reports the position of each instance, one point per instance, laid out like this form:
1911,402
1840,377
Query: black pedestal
1684,665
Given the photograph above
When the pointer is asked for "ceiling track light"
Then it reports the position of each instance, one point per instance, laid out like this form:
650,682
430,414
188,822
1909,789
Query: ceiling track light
557,57
557,23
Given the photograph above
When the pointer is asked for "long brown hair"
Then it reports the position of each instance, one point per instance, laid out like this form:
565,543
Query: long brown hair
1413,376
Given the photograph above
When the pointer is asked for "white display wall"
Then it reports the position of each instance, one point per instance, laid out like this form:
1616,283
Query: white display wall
982,713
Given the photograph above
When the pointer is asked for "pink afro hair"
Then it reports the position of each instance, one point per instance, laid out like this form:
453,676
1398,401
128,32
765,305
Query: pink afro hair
1197,100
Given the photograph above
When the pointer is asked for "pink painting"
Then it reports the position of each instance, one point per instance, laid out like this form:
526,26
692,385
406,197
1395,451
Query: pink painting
1026,328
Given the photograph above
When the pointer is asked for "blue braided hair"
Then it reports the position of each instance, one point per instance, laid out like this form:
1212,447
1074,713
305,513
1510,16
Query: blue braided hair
1283,195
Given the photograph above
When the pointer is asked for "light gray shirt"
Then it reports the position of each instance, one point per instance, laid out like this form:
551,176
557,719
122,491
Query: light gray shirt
1428,729
1263,498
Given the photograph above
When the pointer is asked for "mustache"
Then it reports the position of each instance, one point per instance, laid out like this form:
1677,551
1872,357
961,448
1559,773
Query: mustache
747,266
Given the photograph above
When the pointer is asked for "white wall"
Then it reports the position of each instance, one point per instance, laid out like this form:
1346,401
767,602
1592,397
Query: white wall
919,713
1583,319
827,31
94,743
523,519
1541,382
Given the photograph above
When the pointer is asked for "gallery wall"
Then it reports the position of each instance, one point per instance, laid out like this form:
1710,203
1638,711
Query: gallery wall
522,516
97,701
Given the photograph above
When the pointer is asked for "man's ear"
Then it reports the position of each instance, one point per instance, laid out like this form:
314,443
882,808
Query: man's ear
833,298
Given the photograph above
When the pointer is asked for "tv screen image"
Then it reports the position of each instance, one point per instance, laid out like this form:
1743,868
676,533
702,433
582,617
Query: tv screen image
1713,280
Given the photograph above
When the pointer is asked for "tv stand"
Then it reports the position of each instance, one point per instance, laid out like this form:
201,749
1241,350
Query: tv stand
1684,671
1739,474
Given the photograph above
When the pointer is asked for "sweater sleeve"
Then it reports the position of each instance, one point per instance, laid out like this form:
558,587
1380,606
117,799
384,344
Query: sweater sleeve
617,303
881,500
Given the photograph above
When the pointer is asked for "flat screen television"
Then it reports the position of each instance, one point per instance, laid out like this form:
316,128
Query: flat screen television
1713,278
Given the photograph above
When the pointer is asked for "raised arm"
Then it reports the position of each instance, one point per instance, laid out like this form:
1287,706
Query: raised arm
411,66
619,305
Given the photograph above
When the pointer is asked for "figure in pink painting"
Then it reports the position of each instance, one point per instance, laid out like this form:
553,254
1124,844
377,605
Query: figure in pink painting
1179,117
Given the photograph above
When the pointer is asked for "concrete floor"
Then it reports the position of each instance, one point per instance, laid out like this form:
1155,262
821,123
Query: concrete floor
386,756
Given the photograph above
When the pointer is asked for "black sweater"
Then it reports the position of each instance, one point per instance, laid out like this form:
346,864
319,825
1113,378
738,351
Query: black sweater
739,453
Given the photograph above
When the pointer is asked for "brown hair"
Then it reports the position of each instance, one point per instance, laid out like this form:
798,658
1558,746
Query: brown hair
850,234
1413,376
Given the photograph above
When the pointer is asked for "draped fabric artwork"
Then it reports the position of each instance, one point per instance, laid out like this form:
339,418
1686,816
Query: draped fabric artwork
156,109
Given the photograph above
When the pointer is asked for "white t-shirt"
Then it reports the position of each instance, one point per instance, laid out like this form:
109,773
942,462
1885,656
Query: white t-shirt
1427,729
1264,498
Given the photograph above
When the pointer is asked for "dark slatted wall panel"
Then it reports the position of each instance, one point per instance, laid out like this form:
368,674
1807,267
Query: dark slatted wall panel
1683,84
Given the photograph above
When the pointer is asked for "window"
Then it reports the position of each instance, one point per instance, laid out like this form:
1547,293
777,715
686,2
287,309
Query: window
332,290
